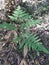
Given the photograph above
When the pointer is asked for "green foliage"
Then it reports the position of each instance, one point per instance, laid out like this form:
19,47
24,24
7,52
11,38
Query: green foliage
33,42
7,26
20,16
24,21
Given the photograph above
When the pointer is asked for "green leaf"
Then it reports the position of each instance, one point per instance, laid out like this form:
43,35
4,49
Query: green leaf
7,26
33,42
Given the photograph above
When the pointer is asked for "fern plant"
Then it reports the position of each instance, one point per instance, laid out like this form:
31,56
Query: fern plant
24,21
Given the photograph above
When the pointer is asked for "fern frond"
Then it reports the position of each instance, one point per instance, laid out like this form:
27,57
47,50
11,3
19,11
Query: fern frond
7,26
33,42
20,16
